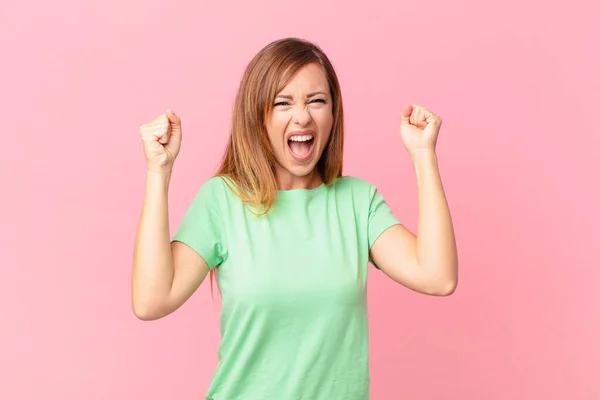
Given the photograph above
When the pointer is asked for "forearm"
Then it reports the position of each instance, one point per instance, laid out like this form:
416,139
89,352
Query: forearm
436,245
153,262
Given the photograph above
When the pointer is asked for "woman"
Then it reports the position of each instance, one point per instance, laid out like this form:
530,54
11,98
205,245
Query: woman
290,236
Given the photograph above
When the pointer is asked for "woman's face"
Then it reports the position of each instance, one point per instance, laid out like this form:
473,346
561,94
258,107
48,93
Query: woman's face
299,127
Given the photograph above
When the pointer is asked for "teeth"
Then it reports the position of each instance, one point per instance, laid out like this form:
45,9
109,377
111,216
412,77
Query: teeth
302,138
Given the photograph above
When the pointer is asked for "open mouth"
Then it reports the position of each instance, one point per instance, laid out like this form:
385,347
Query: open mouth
301,146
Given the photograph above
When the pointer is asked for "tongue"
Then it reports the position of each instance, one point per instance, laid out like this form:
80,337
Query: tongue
300,149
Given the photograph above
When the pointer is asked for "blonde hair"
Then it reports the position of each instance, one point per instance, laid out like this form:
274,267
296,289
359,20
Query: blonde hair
248,162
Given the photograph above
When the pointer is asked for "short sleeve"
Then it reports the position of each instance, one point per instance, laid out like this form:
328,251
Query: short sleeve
202,227
380,217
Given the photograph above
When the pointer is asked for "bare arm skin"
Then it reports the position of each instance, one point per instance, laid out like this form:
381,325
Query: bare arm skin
164,275
427,263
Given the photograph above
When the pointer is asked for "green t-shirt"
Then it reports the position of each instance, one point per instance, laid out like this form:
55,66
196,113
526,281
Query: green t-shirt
293,285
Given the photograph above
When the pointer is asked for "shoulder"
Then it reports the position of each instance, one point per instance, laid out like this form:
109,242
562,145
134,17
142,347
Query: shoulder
214,184
215,193
362,192
355,185
217,186
359,192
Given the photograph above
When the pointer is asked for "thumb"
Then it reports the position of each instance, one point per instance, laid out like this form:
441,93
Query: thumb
405,115
175,122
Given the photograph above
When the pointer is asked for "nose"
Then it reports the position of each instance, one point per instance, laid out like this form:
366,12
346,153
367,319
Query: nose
301,115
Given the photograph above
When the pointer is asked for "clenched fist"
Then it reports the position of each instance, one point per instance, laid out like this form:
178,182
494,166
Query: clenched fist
419,129
162,140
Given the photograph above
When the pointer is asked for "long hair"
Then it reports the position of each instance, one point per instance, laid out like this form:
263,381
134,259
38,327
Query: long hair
248,162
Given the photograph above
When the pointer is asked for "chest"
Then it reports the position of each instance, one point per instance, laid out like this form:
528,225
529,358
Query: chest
313,251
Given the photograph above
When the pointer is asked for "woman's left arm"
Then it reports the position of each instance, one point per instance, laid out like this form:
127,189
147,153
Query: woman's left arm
427,263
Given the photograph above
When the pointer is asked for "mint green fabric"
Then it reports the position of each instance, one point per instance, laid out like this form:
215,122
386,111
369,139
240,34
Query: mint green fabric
293,286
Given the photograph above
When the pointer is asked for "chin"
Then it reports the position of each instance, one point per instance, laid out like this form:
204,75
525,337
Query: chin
297,167
301,170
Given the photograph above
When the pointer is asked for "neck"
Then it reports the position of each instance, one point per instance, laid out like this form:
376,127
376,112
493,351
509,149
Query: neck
287,181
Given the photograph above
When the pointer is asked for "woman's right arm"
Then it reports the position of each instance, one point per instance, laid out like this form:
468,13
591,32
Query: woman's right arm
164,274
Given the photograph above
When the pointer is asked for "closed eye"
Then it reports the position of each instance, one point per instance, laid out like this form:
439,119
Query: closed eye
285,103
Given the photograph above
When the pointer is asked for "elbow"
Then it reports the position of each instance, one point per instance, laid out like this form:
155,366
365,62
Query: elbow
442,287
445,284
144,311
143,315
446,288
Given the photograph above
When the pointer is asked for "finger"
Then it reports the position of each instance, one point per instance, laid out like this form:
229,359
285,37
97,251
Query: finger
406,113
173,118
159,123
431,119
420,118
152,135
422,121
156,131
164,139
161,119
427,115
174,124
415,116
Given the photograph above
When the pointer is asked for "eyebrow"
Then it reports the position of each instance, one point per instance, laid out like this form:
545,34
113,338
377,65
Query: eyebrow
285,96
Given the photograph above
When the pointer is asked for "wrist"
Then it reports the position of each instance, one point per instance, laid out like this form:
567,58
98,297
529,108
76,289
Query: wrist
159,168
156,178
425,164
159,171
423,156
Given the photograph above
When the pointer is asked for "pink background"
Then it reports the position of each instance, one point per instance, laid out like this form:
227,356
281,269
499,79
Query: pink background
516,82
